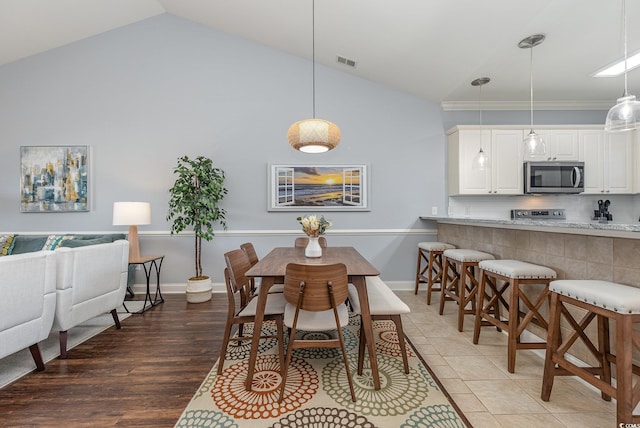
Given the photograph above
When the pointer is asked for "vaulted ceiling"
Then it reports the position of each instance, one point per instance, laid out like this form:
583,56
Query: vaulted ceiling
429,48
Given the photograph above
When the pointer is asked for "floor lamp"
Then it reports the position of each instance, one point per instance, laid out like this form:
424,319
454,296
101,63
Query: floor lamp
132,214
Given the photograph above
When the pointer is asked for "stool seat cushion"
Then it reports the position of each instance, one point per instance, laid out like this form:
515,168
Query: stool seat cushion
382,300
435,246
465,255
517,269
620,298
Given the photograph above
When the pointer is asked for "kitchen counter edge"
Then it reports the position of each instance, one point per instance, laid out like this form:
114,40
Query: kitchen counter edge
559,226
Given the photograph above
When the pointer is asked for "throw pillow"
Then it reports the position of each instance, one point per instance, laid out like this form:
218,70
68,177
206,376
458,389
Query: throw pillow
74,243
6,245
53,241
27,244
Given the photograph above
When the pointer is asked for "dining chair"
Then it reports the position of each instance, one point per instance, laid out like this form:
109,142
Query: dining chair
250,251
316,296
302,241
238,286
383,305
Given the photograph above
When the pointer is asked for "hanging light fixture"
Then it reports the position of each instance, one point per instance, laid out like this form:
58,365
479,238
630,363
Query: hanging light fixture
480,161
533,143
625,115
314,135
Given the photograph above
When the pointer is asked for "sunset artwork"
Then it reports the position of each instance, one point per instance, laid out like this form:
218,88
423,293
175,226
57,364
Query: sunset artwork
54,178
337,187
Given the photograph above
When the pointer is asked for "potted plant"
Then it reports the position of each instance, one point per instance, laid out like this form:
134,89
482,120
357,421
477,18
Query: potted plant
195,195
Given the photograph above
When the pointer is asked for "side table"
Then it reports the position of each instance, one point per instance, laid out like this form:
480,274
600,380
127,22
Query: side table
148,262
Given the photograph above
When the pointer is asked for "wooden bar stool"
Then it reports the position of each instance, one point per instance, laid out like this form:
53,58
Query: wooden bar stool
431,273
514,274
602,300
459,282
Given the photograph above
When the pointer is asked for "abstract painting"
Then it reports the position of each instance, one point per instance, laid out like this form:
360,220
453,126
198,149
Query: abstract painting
54,178
318,188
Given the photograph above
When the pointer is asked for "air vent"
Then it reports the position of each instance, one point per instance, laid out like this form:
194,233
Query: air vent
346,61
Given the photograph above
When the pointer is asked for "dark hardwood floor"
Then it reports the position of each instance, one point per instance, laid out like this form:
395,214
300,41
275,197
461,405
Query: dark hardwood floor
141,375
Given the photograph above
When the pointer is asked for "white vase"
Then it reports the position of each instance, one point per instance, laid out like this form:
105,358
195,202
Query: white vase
313,248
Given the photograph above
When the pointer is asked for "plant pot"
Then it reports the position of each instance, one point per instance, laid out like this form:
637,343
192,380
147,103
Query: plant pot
199,290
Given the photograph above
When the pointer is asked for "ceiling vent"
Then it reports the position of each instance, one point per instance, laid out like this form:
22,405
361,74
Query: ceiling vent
346,61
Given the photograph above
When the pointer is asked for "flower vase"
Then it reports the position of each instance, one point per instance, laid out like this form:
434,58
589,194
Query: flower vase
313,248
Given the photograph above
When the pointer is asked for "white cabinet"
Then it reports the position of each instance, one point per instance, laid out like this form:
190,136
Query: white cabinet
608,161
561,144
503,146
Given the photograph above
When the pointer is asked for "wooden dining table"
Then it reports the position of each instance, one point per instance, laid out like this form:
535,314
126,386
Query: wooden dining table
271,269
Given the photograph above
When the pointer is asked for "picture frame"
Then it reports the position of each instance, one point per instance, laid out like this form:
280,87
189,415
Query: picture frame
54,179
318,187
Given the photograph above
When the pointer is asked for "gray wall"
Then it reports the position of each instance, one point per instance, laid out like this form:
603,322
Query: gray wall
144,95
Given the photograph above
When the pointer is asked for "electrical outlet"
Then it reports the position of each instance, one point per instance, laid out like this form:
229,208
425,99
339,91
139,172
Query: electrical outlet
434,210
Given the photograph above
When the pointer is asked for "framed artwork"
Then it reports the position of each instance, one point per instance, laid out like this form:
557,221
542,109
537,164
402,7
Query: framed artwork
318,188
54,178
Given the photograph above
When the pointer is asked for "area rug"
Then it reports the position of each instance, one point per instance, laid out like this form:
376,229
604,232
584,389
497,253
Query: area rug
14,366
317,390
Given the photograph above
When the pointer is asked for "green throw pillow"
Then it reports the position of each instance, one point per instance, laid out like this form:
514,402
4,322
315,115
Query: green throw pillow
54,241
27,244
73,243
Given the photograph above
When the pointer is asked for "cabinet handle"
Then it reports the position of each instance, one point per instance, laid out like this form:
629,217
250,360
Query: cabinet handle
489,191
608,191
495,191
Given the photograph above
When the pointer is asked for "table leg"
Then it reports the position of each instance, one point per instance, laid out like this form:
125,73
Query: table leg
265,285
367,324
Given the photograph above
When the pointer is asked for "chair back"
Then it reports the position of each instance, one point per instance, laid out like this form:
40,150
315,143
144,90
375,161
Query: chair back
302,241
316,280
250,251
237,266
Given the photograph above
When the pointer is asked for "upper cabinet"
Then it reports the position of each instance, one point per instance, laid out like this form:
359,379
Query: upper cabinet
561,144
608,161
504,148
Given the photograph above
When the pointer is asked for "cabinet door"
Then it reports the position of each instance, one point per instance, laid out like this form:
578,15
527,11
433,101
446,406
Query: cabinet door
591,152
618,163
473,182
561,145
506,167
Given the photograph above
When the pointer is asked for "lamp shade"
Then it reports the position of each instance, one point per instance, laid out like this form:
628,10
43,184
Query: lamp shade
534,145
624,116
131,213
314,135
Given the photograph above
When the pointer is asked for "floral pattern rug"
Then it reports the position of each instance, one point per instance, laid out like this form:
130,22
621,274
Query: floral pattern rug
317,392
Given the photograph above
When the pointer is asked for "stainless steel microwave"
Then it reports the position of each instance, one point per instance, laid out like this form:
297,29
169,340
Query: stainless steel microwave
553,177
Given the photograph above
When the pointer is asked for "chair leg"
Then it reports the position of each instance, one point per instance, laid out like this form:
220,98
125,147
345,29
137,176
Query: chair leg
280,327
462,293
361,346
114,315
624,369
432,278
225,343
480,296
37,357
63,345
418,273
553,342
285,369
514,316
604,345
344,357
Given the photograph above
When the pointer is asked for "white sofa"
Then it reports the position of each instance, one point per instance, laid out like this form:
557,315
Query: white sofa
91,280
27,306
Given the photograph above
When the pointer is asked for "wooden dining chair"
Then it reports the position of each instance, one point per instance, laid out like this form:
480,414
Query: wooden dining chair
242,308
250,251
302,241
316,296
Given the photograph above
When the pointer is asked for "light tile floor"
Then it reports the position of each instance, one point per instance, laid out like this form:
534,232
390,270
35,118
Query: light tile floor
476,376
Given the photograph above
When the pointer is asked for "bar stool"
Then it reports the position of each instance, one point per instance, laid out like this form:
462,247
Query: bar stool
604,300
461,263
431,253
515,274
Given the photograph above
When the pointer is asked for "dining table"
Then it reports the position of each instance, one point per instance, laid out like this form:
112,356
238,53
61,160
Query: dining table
271,269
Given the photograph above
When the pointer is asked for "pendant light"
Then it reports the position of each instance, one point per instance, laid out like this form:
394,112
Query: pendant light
625,115
481,161
314,135
533,143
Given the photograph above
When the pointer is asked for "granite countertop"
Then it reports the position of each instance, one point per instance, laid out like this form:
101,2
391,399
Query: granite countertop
591,227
